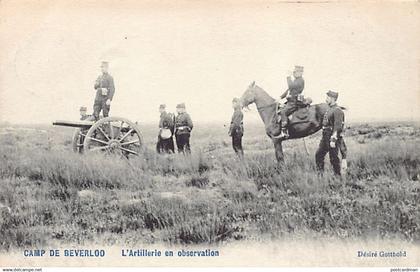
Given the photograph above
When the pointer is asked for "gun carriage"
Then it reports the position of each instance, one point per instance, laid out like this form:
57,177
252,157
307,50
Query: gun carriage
110,134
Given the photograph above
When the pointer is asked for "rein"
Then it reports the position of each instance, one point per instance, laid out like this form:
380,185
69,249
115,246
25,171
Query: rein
266,106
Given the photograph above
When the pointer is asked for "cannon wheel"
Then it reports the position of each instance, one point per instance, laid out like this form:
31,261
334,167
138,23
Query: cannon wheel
114,135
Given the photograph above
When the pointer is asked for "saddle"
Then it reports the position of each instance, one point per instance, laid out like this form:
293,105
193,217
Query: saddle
301,115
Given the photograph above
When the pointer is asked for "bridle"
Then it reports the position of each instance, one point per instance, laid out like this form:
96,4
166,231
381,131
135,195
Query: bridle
266,106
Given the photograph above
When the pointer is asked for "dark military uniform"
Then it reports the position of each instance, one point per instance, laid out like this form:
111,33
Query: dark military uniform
236,131
342,146
103,81
295,89
166,145
332,124
78,137
183,127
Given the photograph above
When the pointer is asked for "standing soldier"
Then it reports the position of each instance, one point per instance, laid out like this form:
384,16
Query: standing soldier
165,141
236,129
332,126
183,127
295,89
105,89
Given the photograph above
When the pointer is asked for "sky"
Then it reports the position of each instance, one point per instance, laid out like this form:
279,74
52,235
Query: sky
205,53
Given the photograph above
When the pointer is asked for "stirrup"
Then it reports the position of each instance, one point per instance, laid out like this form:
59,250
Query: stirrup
284,134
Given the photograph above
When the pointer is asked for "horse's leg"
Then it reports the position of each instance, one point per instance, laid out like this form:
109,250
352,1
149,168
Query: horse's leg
279,150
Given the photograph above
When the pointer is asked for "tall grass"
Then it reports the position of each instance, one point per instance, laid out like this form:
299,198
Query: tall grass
208,197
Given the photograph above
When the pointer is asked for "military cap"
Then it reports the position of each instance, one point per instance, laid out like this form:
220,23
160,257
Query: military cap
332,94
180,106
104,64
235,100
162,106
298,68
83,108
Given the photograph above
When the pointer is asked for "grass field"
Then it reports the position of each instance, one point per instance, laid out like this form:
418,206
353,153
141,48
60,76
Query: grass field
52,196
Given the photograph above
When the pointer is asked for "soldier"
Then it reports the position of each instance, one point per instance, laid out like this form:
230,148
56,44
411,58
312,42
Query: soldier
183,127
78,137
332,126
84,116
105,90
236,129
83,113
165,141
295,89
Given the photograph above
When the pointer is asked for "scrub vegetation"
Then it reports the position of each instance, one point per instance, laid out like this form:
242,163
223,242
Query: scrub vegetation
52,196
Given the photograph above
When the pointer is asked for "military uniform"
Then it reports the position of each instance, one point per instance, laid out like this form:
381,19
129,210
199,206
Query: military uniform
332,126
84,116
236,131
166,122
342,147
107,82
183,127
295,89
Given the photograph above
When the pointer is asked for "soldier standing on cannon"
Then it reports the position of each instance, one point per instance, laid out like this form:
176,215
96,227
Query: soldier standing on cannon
294,97
331,142
165,141
183,127
105,90
236,129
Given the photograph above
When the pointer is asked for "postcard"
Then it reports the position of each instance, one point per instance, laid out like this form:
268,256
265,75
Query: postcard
209,134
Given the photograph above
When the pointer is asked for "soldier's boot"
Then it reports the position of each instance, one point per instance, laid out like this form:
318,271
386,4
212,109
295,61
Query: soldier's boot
284,132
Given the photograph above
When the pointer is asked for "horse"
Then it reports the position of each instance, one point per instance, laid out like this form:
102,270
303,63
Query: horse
304,122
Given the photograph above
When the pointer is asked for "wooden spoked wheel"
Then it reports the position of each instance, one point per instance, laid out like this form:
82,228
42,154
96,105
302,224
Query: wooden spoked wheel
113,135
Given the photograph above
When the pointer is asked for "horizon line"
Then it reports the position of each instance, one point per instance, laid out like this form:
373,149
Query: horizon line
253,122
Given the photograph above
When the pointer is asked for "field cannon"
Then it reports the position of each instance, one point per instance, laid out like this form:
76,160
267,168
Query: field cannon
110,134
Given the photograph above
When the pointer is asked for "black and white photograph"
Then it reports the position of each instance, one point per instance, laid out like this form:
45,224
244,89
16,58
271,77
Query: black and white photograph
209,134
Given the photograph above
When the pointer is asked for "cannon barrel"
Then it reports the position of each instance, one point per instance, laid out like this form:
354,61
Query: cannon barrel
78,124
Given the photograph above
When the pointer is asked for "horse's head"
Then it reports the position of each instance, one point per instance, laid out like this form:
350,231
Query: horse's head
248,97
